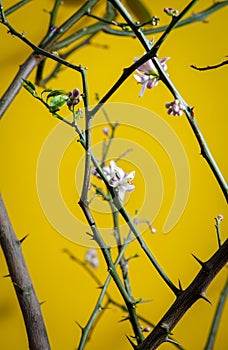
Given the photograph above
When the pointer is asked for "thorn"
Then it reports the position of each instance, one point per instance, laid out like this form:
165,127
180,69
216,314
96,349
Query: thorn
90,235
100,287
203,296
169,340
78,324
180,286
23,238
6,276
140,300
124,319
132,343
198,260
42,302
104,308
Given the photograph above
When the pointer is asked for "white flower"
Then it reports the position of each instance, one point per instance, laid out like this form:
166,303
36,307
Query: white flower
147,74
117,178
92,258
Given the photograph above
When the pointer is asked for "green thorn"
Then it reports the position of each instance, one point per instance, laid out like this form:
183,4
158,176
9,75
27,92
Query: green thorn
42,302
90,235
100,287
132,343
169,340
140,300
124,319
78,324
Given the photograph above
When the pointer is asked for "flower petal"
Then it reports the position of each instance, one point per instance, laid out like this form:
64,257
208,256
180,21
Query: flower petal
121,192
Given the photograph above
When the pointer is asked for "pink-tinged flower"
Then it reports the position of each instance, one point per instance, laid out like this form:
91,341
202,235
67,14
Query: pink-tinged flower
92,258
171,11
175,108
106,131
220,217
118,179
147,74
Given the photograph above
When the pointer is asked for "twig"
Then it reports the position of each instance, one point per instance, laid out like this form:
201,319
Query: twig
195,291
205,151
26,295
83,202
37,50
215,323
16,7
124,270
34,60
193,18
151,52
218,220
210,67
86,330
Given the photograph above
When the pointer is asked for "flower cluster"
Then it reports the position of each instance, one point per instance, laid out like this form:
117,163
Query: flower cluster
171,11
117,178
92,258
175,108
147,74
74,97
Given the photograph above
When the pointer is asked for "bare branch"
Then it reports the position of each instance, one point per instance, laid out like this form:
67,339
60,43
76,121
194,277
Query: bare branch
195,291
26,295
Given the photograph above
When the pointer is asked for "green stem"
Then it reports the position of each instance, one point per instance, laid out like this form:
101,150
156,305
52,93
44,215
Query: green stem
217,226
108,145
88,127
16,7
37,50
194,18
205,151
125,14
124,269
215,323
66,54
132,226
84,205
172,25
151,52
98,306
94,28
53,14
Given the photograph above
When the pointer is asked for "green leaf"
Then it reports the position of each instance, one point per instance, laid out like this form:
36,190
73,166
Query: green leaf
44,91
29,87
56,93
29,84
56,102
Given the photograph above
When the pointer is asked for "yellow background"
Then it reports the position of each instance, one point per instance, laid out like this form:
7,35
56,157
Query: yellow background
68,292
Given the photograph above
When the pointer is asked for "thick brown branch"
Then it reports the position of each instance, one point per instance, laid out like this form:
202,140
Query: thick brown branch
29,304
24,71
196,290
